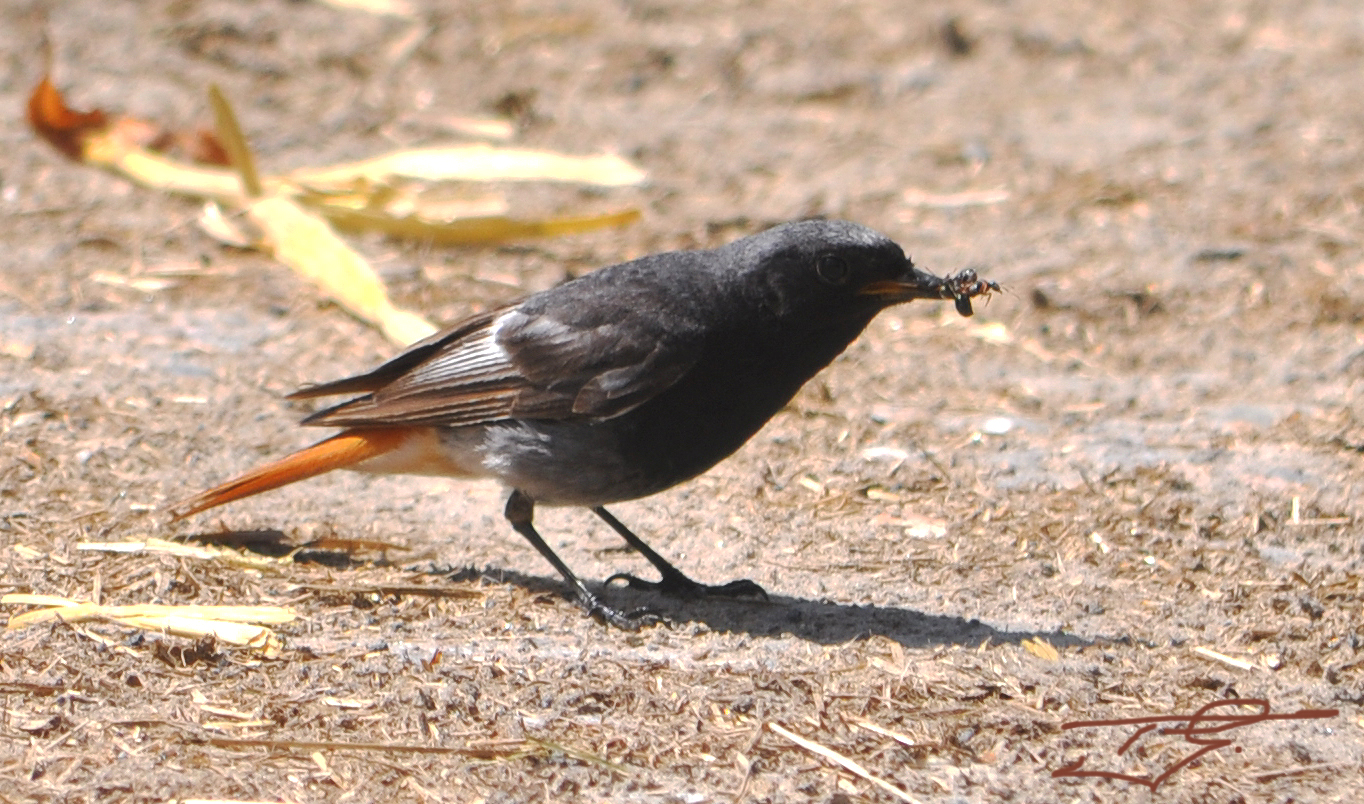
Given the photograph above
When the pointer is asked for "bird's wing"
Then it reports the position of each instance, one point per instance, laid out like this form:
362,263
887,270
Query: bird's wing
552,363
411,357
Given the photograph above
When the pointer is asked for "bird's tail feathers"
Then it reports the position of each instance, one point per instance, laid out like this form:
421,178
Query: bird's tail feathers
338,452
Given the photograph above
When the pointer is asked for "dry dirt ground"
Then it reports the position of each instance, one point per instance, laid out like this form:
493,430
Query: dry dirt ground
1148,448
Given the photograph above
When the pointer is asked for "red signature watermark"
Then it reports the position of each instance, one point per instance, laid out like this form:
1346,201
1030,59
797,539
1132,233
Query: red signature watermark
1200,725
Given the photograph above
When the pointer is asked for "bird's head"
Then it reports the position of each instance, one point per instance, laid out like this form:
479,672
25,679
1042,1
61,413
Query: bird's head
837,269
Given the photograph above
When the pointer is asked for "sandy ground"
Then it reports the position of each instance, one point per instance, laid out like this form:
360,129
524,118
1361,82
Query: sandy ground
1147,449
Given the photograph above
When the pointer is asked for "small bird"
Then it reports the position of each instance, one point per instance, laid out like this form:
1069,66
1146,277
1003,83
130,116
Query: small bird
615,385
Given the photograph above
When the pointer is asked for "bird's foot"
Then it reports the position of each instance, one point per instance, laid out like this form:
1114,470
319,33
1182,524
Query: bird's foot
679,585
624,620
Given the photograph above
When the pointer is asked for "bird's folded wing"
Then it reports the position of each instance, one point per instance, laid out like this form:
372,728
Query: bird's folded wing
510,364
411,357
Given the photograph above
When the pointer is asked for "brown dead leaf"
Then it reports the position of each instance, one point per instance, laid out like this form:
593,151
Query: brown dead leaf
71,131
65,128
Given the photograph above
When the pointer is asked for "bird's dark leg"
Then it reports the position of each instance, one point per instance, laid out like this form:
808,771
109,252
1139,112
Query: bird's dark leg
519,512
674,582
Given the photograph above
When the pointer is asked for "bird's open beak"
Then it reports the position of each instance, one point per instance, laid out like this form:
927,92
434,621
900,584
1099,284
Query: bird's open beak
961,287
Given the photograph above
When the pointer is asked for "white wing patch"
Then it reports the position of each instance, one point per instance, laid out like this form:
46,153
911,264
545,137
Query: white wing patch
477,360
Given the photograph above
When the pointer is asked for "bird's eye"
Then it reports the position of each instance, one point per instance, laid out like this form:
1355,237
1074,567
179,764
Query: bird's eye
833,269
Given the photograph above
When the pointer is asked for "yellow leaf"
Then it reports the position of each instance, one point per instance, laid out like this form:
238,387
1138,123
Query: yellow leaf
478,162
154,170
1041,648
392,8
491,229
303,241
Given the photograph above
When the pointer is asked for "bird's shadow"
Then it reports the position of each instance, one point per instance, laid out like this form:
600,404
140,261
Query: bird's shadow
823,622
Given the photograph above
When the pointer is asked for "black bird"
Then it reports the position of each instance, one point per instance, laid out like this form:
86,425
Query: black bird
618,384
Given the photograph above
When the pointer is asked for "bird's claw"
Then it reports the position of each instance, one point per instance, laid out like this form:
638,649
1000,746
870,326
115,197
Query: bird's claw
624,620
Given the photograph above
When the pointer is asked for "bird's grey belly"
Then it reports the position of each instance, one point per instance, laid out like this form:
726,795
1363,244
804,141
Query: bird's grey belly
558,463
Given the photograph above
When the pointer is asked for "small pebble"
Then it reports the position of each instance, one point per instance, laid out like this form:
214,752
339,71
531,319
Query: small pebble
997,425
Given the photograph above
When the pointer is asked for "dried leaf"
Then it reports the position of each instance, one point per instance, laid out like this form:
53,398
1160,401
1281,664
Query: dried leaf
481,128
225,230
195,551
68,609
244,635
163,173
392,8
70,131
302,240
234,142
60,125
1041,648
478,162
493,229
372,194
235,625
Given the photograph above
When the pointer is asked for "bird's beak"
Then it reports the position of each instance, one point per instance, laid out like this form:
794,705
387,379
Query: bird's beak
961,287
914,284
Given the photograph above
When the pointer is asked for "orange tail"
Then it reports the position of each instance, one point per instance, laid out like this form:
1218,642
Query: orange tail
337,452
